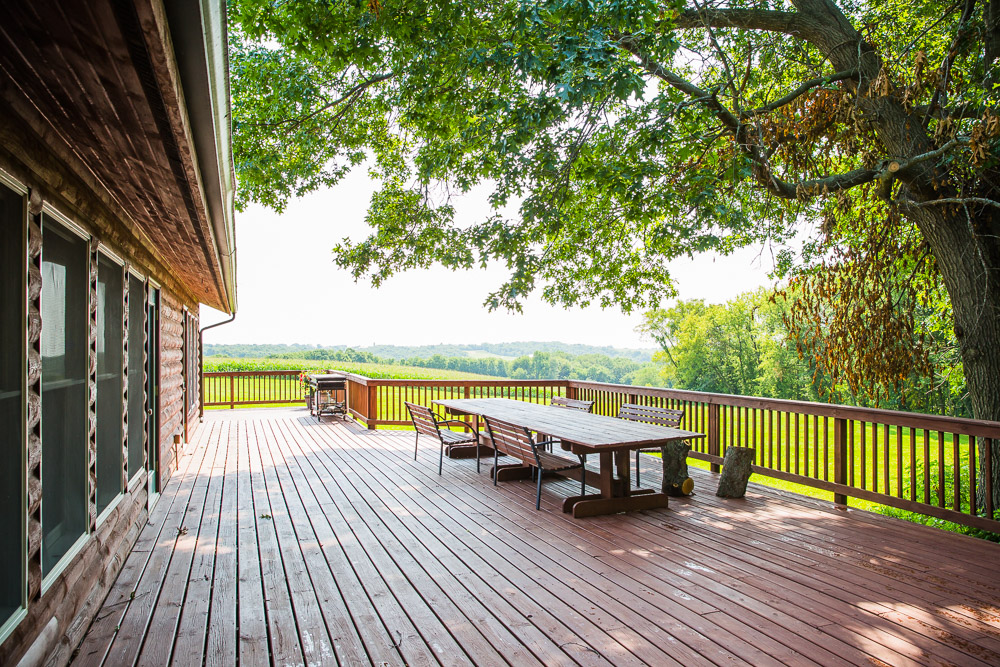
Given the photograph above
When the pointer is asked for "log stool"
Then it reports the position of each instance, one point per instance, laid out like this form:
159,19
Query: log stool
735,472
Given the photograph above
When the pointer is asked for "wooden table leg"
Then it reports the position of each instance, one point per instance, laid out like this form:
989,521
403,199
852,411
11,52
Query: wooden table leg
607,482
616,493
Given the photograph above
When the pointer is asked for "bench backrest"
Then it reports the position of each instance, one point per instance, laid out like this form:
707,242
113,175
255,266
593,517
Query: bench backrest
512,440
423,419
651,415
574,403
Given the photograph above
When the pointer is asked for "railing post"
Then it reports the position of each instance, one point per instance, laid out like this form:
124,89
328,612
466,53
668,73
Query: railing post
570,391
840,462
372,407
714,433
232,392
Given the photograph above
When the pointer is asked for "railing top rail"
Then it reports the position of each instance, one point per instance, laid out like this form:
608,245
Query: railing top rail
466,383
249,373
960,425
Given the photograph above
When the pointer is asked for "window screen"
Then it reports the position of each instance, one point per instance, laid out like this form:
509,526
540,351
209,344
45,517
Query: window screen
12,271
110,366
136,374
64,390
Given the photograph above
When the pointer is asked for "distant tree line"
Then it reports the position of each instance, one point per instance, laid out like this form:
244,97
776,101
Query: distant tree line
742,347
539,365
508,350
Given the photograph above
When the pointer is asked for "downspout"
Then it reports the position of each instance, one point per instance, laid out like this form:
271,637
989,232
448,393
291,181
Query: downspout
201,367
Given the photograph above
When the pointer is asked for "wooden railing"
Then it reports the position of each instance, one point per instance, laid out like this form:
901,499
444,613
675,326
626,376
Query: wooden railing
252,388
920,463
915,462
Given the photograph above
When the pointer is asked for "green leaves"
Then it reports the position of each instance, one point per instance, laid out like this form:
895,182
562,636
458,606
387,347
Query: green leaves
611,171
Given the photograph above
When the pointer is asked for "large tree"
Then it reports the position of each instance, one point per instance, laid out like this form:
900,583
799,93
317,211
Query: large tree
629,132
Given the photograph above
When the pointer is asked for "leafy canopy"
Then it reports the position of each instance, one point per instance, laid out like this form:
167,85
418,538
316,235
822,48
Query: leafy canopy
623,133
608,170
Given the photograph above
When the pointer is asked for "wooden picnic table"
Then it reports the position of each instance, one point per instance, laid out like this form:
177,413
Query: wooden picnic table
583,433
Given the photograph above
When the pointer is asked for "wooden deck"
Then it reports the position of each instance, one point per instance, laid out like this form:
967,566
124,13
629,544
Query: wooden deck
287,542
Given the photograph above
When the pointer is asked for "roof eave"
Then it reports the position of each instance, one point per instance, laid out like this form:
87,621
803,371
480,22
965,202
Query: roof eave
198,33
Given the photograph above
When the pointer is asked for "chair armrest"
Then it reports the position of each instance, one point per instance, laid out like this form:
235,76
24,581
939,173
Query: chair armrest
460,423
547,442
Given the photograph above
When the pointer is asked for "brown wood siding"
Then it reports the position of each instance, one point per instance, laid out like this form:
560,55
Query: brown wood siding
93,125
34,458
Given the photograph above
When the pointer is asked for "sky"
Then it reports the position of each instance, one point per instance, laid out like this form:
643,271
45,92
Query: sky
290,291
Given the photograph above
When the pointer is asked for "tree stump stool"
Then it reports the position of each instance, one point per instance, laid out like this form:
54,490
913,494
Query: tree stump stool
735,472
676,481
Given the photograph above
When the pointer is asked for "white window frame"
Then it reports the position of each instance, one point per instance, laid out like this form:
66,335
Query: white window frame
103,250
137,479
52,576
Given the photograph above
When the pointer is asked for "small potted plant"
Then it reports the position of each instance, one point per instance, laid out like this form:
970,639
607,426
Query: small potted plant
306,390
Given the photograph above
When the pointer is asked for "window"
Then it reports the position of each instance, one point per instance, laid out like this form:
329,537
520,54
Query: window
191,348
110,384
136,374
12,294
64,342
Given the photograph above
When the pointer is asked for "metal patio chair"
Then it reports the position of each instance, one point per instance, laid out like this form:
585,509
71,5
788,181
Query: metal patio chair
427,423
516,441
651,415
573,404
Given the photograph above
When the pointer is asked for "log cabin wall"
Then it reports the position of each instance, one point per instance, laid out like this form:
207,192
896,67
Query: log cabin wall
95,130
57,618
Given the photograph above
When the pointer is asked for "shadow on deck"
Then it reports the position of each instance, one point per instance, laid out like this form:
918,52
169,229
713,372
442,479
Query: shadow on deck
287,542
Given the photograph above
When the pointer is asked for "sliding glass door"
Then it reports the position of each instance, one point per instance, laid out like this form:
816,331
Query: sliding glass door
64,342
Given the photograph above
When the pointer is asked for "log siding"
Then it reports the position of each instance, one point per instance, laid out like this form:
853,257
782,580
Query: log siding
77,135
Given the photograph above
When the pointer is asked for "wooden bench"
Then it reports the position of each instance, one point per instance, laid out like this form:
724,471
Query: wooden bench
516,441
649,414
427,423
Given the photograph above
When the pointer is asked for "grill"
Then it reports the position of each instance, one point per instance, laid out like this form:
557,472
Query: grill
327,394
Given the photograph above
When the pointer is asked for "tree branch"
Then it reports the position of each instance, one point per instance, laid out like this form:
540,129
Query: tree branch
818,186
898,168
957,200
789,23
802,89
352,93
738,129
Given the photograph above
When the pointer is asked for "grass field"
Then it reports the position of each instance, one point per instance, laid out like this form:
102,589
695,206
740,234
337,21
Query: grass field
377,371
278,389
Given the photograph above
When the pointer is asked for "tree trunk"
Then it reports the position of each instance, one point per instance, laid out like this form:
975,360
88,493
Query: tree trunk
735,472
964,239
676,481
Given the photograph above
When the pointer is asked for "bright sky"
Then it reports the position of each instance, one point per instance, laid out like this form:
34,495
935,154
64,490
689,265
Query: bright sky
290,291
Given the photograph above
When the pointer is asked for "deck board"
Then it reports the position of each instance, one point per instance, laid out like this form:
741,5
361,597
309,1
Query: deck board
284,541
